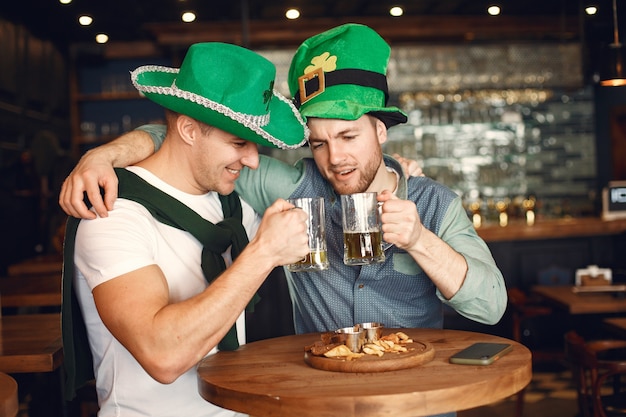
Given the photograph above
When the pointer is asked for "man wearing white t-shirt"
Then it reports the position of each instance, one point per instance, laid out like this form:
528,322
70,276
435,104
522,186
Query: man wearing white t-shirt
163,280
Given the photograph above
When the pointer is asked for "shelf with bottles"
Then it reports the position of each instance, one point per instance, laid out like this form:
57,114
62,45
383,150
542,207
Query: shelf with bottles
105,104
104,121
504,150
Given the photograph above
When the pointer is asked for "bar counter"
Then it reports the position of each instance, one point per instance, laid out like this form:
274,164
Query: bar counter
551,229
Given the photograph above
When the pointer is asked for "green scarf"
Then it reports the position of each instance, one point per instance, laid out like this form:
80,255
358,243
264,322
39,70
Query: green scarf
78,362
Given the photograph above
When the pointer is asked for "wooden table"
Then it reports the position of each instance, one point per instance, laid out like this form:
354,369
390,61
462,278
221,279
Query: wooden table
30,343
43,264
9,405
616,324
579,303
31,291
270,378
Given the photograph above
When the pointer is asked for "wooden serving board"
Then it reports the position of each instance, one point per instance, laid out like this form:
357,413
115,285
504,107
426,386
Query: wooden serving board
418,354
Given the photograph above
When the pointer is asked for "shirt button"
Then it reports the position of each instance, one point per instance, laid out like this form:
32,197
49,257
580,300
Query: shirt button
361,286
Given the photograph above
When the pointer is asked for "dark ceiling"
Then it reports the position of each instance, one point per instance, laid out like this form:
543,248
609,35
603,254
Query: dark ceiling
133,20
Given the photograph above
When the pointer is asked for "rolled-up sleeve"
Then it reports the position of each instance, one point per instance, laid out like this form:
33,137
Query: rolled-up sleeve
157,133
271,180
482,297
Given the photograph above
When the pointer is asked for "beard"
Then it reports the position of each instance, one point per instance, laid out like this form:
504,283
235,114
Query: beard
366,177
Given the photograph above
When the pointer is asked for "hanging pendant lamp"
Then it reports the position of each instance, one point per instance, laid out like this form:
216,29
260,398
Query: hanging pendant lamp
613,73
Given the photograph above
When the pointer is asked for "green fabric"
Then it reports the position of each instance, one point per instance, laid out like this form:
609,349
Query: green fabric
77,359
228,87
216,239
341,74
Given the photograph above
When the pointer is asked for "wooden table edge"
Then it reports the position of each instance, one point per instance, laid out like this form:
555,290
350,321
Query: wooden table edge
616,325
48,359
599,299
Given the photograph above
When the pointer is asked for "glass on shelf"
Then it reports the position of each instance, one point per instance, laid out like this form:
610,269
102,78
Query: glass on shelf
88,131
529,208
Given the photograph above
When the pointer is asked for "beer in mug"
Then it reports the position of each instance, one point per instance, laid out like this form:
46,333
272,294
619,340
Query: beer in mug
362,229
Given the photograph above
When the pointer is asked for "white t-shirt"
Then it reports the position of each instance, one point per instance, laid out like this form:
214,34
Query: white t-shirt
129,239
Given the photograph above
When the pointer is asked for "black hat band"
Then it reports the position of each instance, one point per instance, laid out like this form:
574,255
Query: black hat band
313,83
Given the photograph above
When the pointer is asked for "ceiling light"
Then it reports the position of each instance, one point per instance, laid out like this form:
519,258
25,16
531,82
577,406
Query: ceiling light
494,10
292,14
188,17
85,20
65,1
102,38
613,73
591,10
396,11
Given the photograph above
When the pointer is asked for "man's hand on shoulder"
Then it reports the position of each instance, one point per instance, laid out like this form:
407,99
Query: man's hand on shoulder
94,170
410,167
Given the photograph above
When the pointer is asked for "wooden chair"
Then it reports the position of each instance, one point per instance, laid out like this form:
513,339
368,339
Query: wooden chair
85,403
522,309
88,400
42,264
8,396
531,316
600,390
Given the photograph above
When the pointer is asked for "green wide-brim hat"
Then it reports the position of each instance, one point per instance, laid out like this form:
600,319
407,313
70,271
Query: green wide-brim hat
228,87
342,74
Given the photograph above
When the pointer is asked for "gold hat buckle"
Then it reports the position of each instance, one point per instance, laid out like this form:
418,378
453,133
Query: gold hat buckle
303,79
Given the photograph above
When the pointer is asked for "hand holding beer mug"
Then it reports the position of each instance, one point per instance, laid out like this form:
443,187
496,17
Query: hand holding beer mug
317,258
362,229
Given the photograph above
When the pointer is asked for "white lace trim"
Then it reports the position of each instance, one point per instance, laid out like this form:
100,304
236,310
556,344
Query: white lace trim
252,122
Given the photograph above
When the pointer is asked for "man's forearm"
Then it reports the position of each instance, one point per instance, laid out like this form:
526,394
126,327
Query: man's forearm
128,149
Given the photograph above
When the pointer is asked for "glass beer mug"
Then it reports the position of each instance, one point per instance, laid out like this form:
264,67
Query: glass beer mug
317,258
362,229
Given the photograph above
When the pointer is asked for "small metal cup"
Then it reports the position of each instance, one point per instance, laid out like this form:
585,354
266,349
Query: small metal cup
373,331
353,337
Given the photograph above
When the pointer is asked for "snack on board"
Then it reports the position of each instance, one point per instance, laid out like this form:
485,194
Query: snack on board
344,352
391,343
320,347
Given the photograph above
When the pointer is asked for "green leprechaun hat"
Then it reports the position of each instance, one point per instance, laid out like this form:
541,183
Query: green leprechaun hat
341,74
228,87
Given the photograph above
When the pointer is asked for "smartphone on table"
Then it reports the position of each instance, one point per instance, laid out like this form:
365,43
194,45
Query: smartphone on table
483,353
